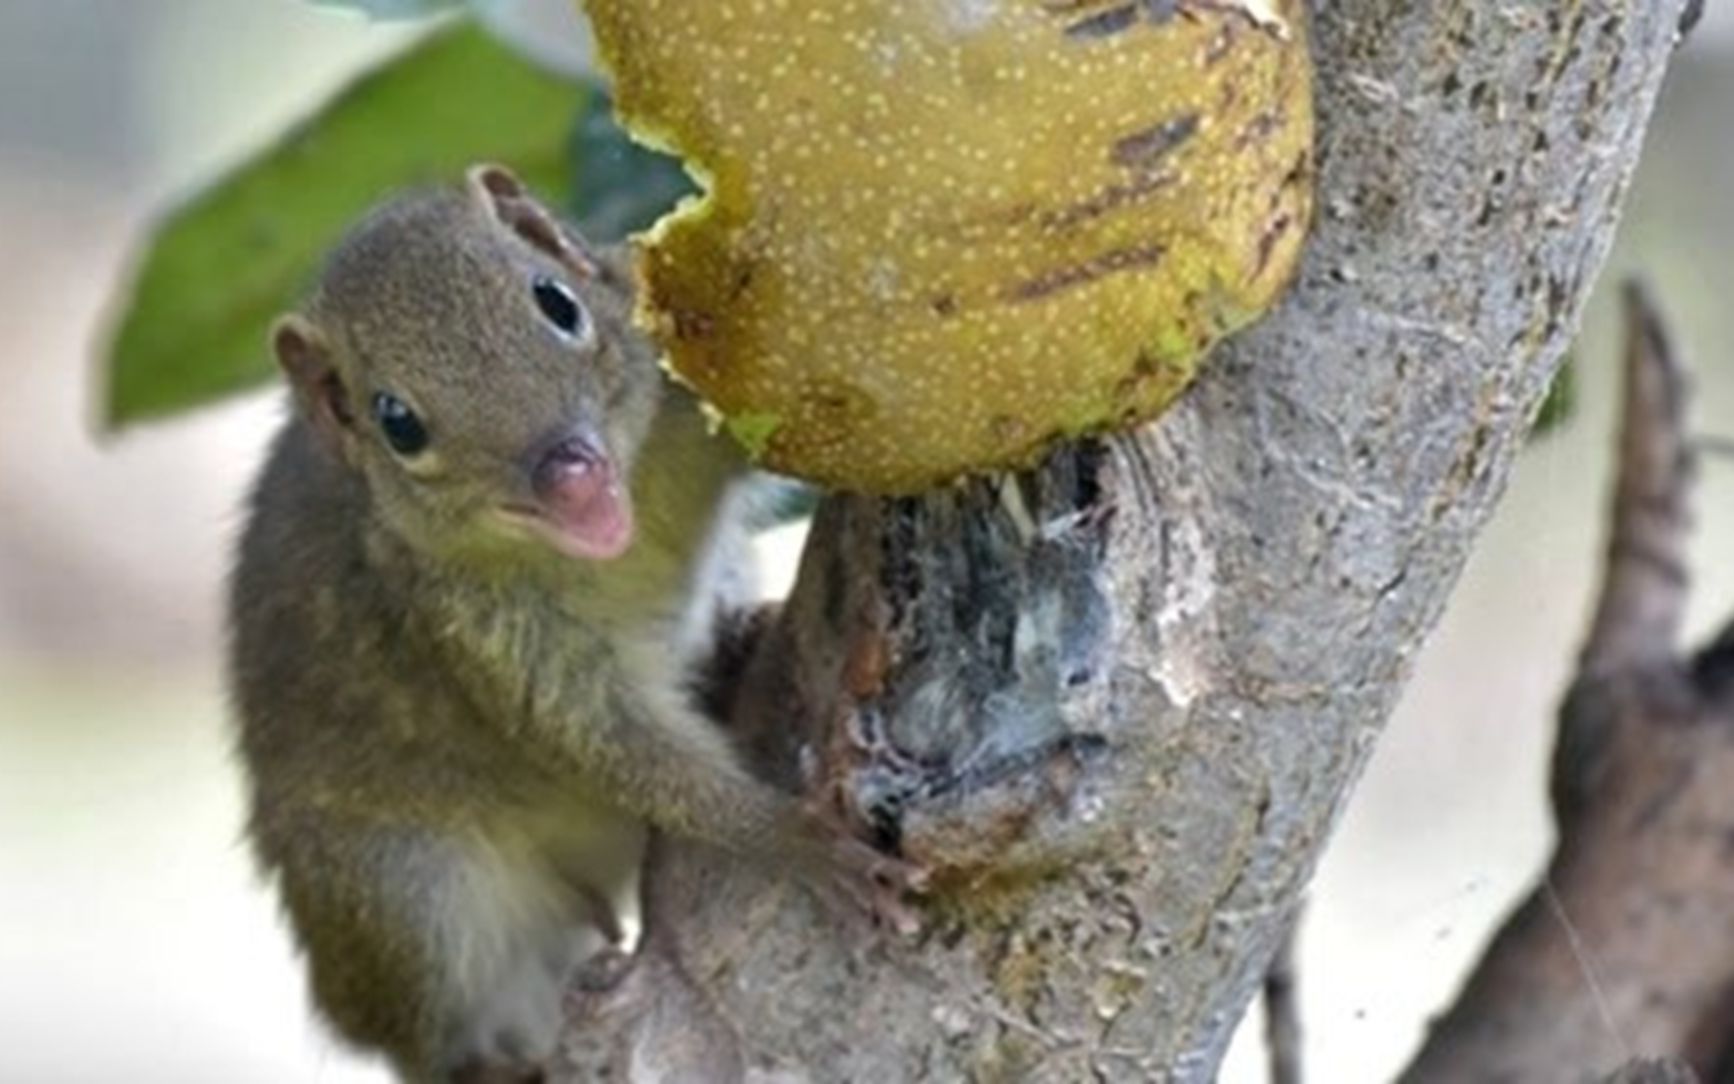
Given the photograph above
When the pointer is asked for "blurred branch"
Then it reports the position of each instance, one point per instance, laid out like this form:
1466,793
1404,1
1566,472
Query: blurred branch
1627,946
1643,594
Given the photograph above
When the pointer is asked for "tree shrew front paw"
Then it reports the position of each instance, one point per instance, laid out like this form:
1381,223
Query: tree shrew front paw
861,878
604,970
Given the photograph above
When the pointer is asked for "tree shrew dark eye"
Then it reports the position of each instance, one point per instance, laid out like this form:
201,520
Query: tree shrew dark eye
403,430
558,304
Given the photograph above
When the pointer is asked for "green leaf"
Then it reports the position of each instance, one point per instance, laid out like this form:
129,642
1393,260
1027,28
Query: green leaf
1561,402
219,270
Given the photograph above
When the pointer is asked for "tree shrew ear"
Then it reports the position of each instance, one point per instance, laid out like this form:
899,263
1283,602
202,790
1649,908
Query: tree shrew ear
305,356
506,202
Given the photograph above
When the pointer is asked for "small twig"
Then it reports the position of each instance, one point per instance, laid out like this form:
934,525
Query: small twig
1282,1026
1643,595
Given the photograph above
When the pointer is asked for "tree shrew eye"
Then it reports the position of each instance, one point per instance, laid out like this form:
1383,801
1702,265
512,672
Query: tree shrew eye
558,304
403,430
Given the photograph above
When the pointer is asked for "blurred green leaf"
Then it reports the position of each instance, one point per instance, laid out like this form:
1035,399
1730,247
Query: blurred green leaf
218,270
622,186
1561,402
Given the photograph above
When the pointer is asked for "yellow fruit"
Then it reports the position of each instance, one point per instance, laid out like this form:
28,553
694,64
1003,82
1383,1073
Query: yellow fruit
941,234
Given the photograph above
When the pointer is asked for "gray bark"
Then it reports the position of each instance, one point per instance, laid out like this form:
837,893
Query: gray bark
1118,703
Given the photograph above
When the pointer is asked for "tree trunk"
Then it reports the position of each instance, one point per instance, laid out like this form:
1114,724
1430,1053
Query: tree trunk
1117,703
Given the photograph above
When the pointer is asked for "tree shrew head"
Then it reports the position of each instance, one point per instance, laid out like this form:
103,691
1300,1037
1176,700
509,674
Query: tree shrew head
464,353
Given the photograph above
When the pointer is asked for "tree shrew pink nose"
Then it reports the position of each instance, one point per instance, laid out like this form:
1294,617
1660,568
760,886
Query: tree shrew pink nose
573,461
581,496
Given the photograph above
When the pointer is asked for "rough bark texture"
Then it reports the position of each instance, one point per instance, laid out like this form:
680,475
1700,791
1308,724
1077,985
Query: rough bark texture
1117,703
1627,946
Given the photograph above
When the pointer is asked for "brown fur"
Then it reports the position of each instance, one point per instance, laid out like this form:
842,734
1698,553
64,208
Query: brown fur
455,737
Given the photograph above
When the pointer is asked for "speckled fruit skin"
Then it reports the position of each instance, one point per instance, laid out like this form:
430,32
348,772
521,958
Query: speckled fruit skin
941,234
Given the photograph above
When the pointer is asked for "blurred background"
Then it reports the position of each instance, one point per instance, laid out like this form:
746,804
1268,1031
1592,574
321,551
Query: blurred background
136,943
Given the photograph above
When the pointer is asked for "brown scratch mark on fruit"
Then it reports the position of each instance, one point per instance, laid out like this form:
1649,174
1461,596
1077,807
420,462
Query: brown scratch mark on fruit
1222,44
1110,198
1015,215
743,281
1146,369
826,401
1148,147
1260,128
692,324
1134,258
1296,176
1006,429
943,305
1104,25
1268,239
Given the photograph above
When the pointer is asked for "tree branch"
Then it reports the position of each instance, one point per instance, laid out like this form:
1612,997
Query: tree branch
1643,596
1118,702
1627,947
